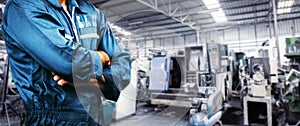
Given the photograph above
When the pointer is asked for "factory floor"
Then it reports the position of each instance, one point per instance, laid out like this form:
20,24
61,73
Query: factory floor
155,116
161,115
176,116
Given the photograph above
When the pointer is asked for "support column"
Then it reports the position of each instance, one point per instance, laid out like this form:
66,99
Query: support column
198,37
276,31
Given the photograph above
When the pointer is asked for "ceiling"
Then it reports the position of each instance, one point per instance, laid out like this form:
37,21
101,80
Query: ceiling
159,18
152,18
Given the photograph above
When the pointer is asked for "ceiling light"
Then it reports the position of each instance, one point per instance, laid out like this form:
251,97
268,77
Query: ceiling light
217,13
211,4
219,16
284,10
285,6
119,29
136,23
126,33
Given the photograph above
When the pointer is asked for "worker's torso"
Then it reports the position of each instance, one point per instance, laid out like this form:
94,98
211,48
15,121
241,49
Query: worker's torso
41,94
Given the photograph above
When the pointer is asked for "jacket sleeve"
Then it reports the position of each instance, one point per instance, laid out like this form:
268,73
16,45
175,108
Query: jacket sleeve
41,35
118,73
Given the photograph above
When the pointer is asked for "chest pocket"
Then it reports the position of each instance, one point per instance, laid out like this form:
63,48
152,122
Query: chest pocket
89,37
88,31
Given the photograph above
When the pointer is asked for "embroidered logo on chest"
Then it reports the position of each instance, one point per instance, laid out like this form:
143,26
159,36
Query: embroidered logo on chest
86,21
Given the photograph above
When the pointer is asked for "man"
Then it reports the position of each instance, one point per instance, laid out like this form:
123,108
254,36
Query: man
64,59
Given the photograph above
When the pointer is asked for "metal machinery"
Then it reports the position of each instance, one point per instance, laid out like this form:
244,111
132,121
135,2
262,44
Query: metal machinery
258,74
166,80
238,61
215,82
287,92
126,104
160,73
143,71
199,79
266,83
136,91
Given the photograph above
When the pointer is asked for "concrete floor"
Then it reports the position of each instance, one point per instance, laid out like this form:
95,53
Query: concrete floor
155,116
162,116
176,116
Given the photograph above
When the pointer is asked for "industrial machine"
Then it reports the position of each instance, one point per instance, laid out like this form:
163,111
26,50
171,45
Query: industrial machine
237,64
264,83
215,82
199,79
135,91
256,87
287,92
160,74
143,71
207,111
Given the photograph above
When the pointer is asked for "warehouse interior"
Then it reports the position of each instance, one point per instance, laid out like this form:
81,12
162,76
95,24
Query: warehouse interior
198,62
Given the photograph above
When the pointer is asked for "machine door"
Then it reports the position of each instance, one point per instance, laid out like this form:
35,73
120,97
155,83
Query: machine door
159,74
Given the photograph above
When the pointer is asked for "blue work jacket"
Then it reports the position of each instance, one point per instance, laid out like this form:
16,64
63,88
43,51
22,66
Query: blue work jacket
41,37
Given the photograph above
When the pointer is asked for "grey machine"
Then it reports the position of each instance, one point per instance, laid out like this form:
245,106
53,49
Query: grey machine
215,83
256,92
203,85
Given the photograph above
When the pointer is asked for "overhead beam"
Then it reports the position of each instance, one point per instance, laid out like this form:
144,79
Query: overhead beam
247,24
203,9
190,24
119,3
161,29
164,35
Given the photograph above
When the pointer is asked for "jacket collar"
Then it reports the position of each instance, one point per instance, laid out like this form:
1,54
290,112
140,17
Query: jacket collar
73,3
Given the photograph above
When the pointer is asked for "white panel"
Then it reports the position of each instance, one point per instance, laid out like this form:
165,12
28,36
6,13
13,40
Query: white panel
233,45
190,39
126,104
158,74
132,45
150,43
231,34
297,25
249,45
221,35
168,42
231,42
217,36
247,32
262,30
141,44
284,27
156,43
178,41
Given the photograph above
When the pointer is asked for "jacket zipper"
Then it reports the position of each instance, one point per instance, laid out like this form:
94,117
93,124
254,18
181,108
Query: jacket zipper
73,25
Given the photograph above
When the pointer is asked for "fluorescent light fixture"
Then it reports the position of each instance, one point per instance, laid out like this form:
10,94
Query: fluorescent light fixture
136,23
285,6
126,33
119,29
219,15
212,4
284,10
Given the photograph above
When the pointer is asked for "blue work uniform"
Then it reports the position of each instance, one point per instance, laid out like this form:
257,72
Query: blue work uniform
41,37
